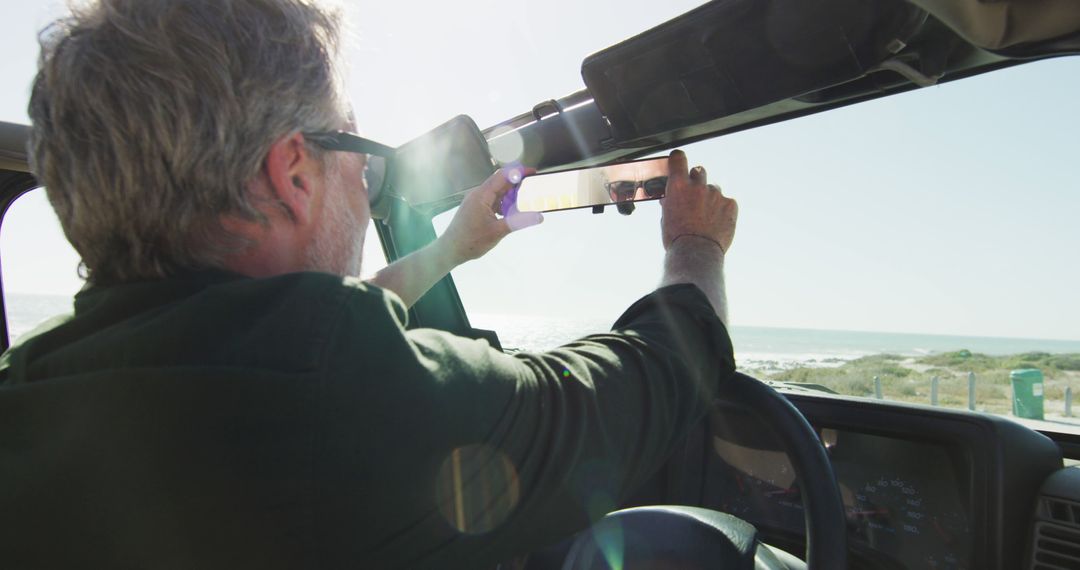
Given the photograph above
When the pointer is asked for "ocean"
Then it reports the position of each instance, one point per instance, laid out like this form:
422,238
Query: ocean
768,347
755,347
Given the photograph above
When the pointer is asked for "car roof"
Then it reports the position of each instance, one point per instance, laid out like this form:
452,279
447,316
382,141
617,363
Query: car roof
896,46
728,66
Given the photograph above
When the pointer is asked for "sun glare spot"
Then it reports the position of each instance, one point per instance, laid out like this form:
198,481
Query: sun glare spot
609,538
477,488
514,174
506,145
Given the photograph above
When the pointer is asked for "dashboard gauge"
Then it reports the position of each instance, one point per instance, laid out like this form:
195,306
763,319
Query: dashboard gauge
951,528
787,497
904,500
952,533
887,508
741,502
892,514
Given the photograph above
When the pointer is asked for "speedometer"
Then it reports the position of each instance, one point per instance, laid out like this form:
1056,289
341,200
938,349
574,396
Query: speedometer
885,507
903,500
892,514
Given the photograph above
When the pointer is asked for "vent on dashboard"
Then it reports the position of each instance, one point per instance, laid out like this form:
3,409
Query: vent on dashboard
1056,547
1057,510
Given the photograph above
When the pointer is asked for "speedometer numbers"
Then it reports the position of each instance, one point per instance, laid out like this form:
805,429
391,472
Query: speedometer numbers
886,507
891,513
902,500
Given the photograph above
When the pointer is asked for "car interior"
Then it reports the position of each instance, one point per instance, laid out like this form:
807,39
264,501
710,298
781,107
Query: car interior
780,475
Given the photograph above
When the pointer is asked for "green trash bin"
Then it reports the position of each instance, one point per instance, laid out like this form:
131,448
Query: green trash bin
1027,388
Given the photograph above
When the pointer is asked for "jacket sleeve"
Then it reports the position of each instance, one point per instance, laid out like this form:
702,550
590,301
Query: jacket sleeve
483,455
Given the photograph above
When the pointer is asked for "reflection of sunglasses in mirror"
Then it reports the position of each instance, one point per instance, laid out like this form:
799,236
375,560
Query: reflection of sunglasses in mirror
624,190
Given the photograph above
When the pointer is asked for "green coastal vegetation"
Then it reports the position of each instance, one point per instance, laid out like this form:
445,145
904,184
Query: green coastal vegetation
908,379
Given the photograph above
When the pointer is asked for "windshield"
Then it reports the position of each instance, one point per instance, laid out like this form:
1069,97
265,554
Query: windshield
934,224
404,75
880,246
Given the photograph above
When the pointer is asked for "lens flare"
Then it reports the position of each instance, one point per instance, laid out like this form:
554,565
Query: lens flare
610,540
506,145
477,488
514,175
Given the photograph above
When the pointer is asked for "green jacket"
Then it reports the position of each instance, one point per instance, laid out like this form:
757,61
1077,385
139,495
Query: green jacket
217,421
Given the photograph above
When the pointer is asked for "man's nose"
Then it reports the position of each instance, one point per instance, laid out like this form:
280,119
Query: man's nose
639,193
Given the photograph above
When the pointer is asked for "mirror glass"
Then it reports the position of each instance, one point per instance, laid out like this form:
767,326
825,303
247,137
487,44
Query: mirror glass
622,183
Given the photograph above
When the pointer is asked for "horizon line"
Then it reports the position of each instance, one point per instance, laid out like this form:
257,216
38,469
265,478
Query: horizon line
811,329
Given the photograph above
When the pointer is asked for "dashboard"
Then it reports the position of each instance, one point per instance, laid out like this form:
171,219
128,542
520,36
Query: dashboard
907,503
922,487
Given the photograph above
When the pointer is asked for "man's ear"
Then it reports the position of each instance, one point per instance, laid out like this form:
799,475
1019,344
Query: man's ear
292,171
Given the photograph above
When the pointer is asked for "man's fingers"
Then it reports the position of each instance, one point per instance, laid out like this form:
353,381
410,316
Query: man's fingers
516,220
507,177
502,181
697,175
496,186
677,166
521,220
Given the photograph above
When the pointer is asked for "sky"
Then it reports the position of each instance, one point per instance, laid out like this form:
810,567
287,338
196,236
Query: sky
948,210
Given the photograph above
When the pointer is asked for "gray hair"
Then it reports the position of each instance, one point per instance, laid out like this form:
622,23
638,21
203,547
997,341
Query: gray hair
151,118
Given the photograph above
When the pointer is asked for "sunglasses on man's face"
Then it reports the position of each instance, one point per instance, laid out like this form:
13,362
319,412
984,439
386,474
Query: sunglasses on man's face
624,190
378,155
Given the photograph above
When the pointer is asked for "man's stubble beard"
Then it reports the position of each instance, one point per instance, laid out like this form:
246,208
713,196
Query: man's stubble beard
338,246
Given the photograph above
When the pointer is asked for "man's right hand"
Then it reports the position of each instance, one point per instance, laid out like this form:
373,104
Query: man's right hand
697,228
692,207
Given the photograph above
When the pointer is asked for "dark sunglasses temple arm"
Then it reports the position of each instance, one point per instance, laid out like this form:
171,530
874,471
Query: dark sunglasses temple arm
378,149
349,142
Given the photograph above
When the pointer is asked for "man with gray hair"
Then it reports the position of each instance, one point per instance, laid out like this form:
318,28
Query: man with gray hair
227,395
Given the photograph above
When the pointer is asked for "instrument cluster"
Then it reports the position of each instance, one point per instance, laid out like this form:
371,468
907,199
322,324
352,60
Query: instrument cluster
907,501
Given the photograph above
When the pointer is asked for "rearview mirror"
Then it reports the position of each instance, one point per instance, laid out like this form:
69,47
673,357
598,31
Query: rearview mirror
620,184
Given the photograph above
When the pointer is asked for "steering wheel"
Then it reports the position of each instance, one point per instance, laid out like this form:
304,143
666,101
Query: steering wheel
692,537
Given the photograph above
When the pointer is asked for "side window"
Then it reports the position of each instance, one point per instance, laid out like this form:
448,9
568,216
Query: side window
40,269
39,266
374,259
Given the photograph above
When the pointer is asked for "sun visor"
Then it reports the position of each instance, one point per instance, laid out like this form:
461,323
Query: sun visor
730,56
1007,23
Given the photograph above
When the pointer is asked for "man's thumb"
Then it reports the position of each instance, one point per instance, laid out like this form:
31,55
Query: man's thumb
521,220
